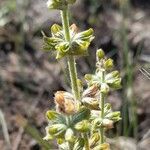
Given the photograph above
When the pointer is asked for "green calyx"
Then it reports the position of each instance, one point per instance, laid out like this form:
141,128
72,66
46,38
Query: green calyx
59,4
64,127
76,47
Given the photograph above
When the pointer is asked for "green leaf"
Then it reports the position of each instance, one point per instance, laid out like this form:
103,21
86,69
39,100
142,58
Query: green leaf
50,42
86,35
51,115
82,114
62,47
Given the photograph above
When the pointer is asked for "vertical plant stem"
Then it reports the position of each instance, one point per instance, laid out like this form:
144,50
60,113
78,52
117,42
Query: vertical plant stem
102,102
73,77
71,59
86,138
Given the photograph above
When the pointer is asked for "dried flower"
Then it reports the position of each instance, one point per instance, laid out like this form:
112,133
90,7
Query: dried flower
65,102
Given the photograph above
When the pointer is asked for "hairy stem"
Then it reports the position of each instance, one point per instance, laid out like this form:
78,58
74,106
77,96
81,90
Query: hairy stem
71,59
102,102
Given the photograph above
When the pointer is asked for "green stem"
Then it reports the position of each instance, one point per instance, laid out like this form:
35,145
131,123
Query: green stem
71,59
65,23
102,102
87,146
73,77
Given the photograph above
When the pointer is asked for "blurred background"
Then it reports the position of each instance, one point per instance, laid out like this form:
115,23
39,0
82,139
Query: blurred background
29,76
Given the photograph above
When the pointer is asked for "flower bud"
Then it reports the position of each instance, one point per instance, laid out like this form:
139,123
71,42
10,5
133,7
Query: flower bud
100,54
88,77
60,141
55,29
114,116
57,130
104,88
110,76
108,64
95,114
94,139
108,124
69,135
97,122
82,126
56,4
116,83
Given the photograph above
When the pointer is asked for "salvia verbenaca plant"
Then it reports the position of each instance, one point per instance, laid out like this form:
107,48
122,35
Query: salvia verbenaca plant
81,117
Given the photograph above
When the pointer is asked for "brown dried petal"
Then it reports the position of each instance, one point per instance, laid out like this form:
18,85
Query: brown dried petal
91,91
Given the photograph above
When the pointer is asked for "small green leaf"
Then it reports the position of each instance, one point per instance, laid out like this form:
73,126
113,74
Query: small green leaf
82,114
62,47
51,115
86,35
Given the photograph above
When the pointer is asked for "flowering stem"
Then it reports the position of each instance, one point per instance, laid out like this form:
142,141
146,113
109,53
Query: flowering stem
71,59
102,102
